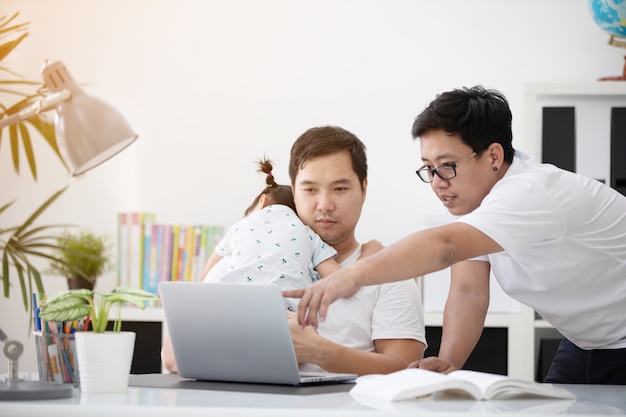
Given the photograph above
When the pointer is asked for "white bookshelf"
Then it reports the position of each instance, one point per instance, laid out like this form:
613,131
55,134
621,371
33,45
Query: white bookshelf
594,98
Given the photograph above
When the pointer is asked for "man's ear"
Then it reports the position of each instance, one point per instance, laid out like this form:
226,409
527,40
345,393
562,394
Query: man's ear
495,153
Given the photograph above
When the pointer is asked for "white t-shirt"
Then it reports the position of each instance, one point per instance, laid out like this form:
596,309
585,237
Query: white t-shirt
271,246
387,311
564,237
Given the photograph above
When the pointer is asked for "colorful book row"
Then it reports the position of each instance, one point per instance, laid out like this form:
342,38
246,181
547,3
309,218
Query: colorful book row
150,252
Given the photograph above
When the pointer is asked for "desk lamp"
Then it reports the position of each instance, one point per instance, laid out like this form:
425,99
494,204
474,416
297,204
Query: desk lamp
88,130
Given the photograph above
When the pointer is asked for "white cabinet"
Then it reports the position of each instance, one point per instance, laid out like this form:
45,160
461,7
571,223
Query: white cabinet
599,126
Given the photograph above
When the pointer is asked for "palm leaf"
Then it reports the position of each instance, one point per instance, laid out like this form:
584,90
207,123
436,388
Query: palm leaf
6,206
14,91
7,47
20,133
40,210
28,148
4,21
46,130
16,33
15,155
25,241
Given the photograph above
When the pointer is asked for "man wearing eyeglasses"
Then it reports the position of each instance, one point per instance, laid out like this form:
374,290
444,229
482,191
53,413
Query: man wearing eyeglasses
555,241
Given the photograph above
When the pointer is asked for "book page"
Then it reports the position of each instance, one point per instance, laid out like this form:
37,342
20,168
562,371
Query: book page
482,380
409,383
413,383
494,386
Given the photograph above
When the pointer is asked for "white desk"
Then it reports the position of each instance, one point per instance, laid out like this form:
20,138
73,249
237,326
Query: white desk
273,401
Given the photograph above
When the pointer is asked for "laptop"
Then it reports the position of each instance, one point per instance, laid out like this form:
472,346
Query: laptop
234,333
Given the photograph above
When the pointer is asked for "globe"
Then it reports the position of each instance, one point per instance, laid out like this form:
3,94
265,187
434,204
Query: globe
610,16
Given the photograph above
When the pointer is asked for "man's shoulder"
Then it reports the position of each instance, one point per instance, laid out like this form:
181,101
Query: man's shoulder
410,284
399,289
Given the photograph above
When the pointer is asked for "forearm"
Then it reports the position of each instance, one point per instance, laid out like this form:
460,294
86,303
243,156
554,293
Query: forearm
213,260
415,255
336,358
421,253
463,323
167,356
397,262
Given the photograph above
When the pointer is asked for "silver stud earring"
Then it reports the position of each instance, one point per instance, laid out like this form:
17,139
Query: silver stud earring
495,169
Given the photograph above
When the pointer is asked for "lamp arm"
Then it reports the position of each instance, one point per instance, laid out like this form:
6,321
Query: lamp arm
45,104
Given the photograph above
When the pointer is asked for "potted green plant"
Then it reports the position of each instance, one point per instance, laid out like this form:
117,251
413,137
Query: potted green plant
80,303
104,357
82,257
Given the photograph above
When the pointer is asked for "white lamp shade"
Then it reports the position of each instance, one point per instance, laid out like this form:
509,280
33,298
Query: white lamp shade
89,132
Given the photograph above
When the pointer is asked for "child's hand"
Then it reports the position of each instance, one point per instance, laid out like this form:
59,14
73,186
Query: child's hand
370,248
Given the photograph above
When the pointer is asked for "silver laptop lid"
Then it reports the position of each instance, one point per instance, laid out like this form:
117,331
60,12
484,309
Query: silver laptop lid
229,332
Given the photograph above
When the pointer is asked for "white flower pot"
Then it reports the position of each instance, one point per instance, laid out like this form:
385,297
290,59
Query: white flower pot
104,360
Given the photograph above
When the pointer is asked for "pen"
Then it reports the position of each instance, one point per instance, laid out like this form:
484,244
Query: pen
36,319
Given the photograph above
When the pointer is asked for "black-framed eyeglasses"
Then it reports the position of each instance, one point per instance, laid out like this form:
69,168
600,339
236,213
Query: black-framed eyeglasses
446,171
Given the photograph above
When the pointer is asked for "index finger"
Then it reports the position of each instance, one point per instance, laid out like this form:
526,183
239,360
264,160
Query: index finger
293,293
308,308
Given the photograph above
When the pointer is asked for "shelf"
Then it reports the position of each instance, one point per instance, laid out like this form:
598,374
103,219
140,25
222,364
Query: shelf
542,324
137,314
601,88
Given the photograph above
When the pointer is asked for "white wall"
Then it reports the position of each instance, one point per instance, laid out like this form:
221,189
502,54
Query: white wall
210,86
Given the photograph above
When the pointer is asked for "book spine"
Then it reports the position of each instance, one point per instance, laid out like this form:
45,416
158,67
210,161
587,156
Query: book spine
123,254
148,252
195,262
216,234
189,252
165,258
204,254
152,275
180,267
135,250
174,254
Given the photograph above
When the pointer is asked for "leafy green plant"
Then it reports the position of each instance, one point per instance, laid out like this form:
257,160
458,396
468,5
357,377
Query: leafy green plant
20,245
85,255
76,304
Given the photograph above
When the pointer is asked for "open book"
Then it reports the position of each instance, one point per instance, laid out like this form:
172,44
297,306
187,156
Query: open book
413,382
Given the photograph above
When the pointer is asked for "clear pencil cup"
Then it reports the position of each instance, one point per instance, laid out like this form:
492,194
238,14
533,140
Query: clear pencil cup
56,357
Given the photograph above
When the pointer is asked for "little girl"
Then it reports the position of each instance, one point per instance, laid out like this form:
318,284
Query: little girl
271,245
